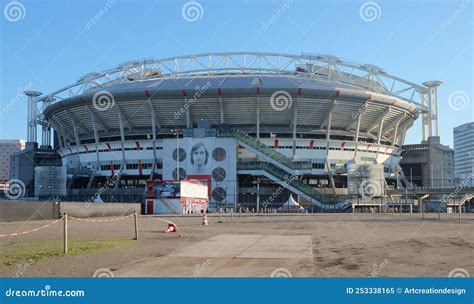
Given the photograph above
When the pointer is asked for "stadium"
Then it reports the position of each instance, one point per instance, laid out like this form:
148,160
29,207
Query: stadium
249,125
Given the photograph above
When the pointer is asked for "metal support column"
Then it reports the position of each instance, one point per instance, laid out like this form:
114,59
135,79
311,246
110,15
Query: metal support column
295,115
258,117
188,114
221,109
153,135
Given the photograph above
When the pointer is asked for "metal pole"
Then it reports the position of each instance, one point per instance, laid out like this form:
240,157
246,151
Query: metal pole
65,233
432,176
406,197
442,177
136,224
459,212
177,156
258,195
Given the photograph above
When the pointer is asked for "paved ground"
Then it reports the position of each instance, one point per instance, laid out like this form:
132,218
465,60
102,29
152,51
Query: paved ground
228,255
260,246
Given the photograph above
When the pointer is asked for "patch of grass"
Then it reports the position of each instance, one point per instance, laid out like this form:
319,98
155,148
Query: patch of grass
32,252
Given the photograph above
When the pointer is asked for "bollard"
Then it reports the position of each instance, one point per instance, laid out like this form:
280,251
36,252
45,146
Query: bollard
220,217
136,224
65,233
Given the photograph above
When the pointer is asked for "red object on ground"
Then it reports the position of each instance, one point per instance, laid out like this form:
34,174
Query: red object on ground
171,228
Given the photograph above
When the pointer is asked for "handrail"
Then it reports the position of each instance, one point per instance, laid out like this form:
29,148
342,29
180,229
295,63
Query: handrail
258,145
283,176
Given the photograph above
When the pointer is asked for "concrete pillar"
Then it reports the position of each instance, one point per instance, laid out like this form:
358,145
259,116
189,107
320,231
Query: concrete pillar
433,106
32,114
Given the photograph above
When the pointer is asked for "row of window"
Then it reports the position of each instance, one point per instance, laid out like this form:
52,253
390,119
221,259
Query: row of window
110,167
116,149
280,147
318,165
136,166
332,149
133,166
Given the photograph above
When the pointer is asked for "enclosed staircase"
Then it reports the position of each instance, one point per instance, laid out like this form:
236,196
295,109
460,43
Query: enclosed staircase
283,171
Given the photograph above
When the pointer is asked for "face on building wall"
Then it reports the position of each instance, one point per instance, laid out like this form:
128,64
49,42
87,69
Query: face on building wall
199,155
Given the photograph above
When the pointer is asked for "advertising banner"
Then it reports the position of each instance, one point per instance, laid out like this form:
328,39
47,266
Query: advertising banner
211,160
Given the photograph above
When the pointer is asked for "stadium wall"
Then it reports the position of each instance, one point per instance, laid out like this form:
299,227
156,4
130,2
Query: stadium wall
11,211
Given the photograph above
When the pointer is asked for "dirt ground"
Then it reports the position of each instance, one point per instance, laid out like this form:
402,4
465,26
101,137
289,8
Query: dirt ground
318,245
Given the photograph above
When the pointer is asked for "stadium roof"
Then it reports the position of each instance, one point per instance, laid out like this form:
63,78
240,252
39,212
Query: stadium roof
307,68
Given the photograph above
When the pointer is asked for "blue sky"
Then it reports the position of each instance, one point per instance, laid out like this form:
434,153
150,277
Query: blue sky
51,46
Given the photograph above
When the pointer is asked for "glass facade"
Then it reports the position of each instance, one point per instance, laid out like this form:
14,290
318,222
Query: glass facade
464,150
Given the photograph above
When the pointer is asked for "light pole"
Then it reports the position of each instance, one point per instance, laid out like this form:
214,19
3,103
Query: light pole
432,168
258,195
176,132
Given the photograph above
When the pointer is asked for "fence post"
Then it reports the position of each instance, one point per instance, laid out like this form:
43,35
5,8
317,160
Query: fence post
136,224
65,233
